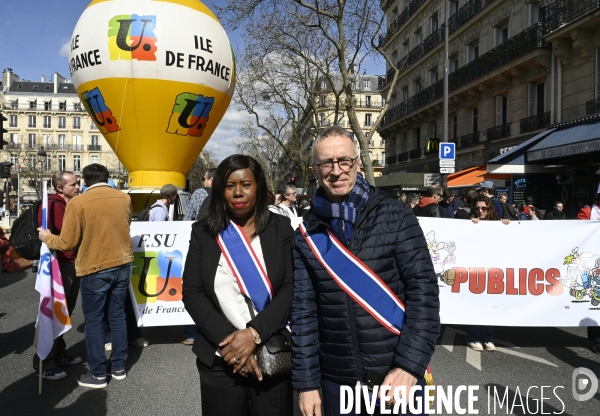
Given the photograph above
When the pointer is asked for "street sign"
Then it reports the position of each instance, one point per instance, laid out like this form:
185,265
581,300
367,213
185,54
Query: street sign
447,170
447,163
447,151
431,179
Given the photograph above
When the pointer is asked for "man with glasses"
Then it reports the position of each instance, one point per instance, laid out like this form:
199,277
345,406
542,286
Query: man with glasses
429,206
289,199
380,258
199,196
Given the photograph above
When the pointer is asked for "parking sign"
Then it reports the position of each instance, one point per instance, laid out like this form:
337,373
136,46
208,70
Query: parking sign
447,151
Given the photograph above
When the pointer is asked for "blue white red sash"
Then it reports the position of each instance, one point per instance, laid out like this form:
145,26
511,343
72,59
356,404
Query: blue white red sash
356,279
249,273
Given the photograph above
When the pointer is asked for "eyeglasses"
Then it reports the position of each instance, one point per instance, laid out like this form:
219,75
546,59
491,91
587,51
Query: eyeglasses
345,164
484,209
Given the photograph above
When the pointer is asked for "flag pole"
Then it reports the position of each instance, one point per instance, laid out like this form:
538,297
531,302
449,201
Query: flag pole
40,382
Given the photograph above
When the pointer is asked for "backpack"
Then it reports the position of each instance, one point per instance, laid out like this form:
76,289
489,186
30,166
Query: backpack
144,215
24,234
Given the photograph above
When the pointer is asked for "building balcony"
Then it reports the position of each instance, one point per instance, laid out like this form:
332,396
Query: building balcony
536,122
94,148
415,154
519,45
468,140
498,132
378,162
403,157
42,107
561,13
14,146
411,9
592,107
391,160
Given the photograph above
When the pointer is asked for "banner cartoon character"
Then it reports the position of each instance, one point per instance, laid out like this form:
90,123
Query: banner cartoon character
583,275
441,265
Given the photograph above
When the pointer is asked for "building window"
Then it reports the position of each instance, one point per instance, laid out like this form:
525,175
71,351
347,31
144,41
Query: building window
94,158
501,110
32,141
368,120
322,119
434,130
62,106
417,85
367,84
433,23
14,159
475,119
473,51
48,105
500,34
62,122
32,121
433,76
404,93
452,63
322,100
47,122
597,73
32,105
534,14
77,142
14,105
14,138
47,164
453,6
94,140
76,122
77,106
12,120
76,163
454,126
368,101
404,48
418,37
47,140
537,98
62,162
93,126
62,141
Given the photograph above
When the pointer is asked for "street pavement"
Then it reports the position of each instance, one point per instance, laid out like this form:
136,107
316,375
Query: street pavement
162,379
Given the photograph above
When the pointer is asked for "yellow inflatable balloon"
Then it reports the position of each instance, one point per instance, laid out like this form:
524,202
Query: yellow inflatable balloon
156,76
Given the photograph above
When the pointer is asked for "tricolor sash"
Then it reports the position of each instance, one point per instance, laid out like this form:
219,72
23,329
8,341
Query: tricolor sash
249,273
356,279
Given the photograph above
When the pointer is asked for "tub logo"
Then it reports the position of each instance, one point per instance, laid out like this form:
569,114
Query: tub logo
190,114
157,276
93,101
131,36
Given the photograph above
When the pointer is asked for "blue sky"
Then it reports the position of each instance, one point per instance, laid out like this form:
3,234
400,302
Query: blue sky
34,40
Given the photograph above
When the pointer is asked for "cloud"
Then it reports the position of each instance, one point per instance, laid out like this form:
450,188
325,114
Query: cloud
221,143
65,48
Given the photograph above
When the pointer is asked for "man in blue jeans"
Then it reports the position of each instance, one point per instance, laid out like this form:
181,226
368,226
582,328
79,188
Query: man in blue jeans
103,264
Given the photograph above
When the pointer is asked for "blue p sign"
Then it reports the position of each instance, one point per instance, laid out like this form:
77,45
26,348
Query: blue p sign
447,151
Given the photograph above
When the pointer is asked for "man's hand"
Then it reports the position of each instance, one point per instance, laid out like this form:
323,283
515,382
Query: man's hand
309,403
43,234
396,378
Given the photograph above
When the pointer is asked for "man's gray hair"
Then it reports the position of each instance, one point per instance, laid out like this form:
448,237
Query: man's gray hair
289,189
58,179
412,199
332,131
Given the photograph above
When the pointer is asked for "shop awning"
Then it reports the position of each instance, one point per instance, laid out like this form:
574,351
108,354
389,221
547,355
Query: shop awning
567,141
513,161
473,176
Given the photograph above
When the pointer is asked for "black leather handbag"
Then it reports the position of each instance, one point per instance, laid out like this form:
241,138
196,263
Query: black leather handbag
274,357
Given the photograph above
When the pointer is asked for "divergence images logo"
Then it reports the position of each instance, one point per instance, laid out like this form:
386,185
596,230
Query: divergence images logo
584,384
93,102
131,36
190,114
157,276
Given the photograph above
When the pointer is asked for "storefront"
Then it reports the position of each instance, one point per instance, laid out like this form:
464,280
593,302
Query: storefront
397,183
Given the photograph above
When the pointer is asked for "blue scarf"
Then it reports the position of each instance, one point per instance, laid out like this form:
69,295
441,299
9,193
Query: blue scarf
343,215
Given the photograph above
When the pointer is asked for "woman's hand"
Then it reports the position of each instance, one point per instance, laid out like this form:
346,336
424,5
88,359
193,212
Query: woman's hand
237,347
43,234
505,221
475,220
251,367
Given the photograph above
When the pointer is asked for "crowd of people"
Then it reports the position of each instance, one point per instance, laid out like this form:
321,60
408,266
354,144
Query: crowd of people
249,278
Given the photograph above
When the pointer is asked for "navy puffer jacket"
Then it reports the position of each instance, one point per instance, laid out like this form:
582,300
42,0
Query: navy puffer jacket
333,336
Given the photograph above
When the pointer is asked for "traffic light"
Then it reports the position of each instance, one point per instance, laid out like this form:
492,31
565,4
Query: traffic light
2,130
293,180
5,169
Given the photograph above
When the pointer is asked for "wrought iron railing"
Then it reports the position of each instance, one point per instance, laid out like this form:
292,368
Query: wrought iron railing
536,122
430,41
515,47
378,162
463,14
13,146
412,7
592,107
43,107
403,157
468,140
94,147
563,12
391,160
414,55
498,132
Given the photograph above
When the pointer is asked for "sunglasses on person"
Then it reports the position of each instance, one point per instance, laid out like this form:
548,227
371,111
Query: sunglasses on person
484,209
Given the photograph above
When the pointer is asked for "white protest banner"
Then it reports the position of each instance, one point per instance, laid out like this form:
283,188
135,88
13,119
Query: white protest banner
159,251
526,273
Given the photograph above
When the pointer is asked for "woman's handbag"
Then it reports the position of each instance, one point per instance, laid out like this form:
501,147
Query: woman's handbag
274,357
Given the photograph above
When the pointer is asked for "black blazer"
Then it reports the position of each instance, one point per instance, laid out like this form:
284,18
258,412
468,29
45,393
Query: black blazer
201,301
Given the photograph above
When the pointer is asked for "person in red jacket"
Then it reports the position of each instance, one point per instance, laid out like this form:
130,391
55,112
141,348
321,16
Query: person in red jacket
590,212
66,186
4,243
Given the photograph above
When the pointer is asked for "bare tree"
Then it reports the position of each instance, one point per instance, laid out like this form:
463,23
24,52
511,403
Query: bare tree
205,161
316,35
263,147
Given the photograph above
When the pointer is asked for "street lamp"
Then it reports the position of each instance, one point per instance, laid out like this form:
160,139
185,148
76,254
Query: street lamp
41,154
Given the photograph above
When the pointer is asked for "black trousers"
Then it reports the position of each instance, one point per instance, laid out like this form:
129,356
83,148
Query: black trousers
71,287
227,394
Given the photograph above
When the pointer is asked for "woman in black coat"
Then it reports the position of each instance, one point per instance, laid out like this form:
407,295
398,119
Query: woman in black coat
231,381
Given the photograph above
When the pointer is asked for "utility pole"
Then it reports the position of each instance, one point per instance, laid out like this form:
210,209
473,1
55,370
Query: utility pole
444,177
